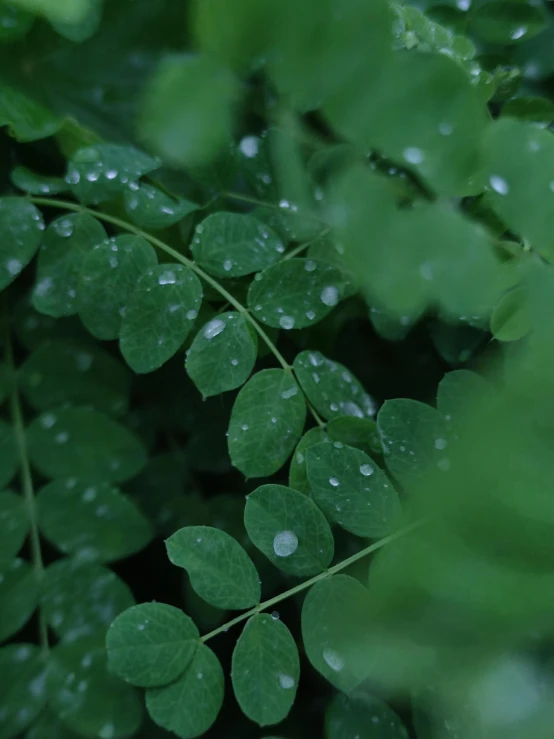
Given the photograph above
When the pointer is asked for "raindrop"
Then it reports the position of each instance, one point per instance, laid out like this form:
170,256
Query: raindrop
228,265
286,322
62,437
440,443
14,266
275,615
444,464
291,392
445,128
213,328
518,32
366,470
285,543
333,659
310,265
499,185
167,278
286,682
191,314
334,482
249,146
48,420
329,296
413,155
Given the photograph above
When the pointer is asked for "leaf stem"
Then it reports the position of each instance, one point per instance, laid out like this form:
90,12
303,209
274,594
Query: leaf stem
26,477
312,581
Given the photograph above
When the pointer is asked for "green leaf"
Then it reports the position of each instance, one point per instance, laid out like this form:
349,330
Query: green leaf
84,443
59,11
189,706
532,109
352,490
81,599
108,278
507,21
94,522
32,328
266,422
85,28
459,391
37,184
233,245
67,241
9,459
361,433
414,439
22,693
14,23
331,388
187,110
220,571
19,594
265,670
159,316
14,524
86,697
518,162
151,208
296,293
100,172
289,529
511,318
151,644
334,617
48,725
21,227
298,471
69,373
223,354
363,715
26,119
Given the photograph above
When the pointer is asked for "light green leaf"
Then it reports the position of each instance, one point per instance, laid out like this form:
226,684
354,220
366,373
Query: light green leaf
518,162
14,23
67,241
233,245
94,522
296,293
100,172
512,319
151,644
48,725
334,617
64,372
459,391
159,316
352,490
26,119
84,443
60,11
86,697
507,21
361,433
289,529
331,388
532,109
363,715
108,278
150,207
223,354
189,706
81,599
21,227
14,525
85,28
22,693
298,471
265,670
414,437
220,571
9,459
37,184
266,422
187,111
19,594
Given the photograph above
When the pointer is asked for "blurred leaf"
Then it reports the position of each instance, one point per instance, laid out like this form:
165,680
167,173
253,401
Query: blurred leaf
363,715
532,109
511,318
79,31
19,595
14,22
14,524
9,458
33,328
265,670
26,119
22,694
37,184
458,392
507,21
21,225
49,725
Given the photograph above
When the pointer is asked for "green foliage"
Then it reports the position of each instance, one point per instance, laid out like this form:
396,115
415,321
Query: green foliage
244,241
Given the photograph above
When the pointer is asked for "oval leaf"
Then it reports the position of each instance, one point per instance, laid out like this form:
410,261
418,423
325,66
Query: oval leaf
220,571
21,227
14,524
266,422
363,715
9,459
151,208
298,471
22,693
19,595
36,184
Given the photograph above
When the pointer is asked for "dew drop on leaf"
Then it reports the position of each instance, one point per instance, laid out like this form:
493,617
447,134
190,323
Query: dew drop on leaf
285,543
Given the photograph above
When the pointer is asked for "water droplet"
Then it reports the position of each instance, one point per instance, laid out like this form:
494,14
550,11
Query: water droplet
413,155
167,278
518,32
234,362
329,296
310,315
14,266
48,420
444,464
249,146
63,227
499,185
72,177
291,392
299,457
286,682
191,314
310,265
366,470
213,328
315,377
463,4
445,128
89,495
228,265
275,615
284,204
286,322
334,482
62,437
244,427
285,543
333,659
440,443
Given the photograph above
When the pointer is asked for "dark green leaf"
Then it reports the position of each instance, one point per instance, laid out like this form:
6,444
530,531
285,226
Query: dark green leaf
26,119
296,293
265,670
189,706
532,109
100,172
232,245
63,372
220,571
511,319
331,388
37,184
94,522
266,422
86,27
67,241
223,354
108,278
14,22
151,644
14,525
352,490
21,227
86,697
289,529
32,328
363,715
298,471
48,725
81,599
19,594
22,693
159,316
507,21
361,433
151,208
9,459
84,443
